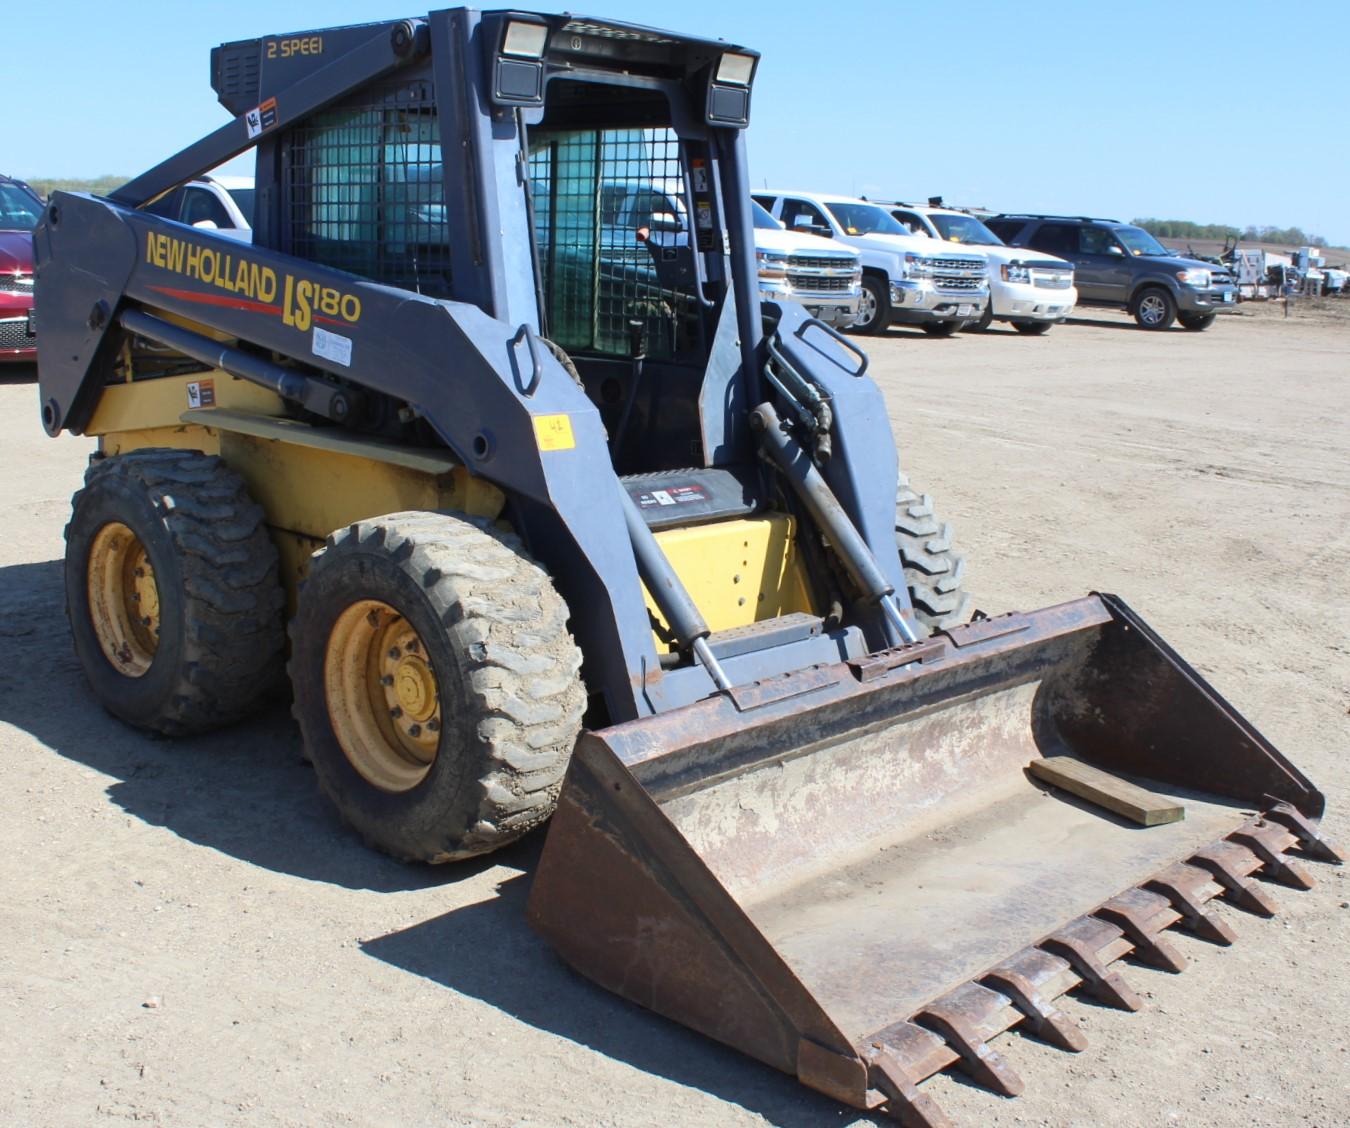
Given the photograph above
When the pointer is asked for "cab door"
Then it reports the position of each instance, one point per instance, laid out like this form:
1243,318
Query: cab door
1101,266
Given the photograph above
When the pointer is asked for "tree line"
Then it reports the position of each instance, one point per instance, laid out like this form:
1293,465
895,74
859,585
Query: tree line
1185,229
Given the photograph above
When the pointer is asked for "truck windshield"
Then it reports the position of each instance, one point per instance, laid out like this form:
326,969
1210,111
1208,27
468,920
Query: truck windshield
18,210
1139,242
965,229
866,219
764,219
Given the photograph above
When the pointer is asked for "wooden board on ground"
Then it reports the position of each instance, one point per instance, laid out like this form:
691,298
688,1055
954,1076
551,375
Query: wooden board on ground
1104,789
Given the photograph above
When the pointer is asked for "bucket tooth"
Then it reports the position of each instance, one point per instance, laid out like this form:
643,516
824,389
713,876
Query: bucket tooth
1231,864
1081,942
1142,917
1310,838
1188,888
964,1018
1269,842
904,1101
1031,979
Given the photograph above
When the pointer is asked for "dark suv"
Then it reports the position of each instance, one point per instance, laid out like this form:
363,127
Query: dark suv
1118,264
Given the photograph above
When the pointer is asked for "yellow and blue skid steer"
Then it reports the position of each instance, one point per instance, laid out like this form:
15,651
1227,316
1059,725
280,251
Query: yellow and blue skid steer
543,509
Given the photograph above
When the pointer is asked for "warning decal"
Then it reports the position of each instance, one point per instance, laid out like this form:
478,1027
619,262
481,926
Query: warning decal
670,495
261,118
201,393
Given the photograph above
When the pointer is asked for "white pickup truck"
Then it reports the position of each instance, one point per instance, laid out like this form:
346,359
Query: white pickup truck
1031,289
906,278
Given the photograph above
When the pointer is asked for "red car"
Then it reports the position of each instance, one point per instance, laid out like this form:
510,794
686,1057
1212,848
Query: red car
20,208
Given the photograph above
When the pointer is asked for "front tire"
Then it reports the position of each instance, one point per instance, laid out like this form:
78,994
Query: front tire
1154,308
874,308
934,571
172,592
1032,328
436,684
986,319
1197,322
942,328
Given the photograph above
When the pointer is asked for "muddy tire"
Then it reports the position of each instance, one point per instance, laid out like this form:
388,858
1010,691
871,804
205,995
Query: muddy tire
172,592
436,684
933,570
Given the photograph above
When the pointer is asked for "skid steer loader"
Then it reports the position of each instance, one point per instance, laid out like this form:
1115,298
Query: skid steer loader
561,515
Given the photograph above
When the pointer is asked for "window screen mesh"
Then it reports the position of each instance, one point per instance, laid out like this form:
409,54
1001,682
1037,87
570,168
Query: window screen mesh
365,191
593,190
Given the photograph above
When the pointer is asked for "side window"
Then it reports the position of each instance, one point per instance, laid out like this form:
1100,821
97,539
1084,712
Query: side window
794,210
913,222
200,204
648,204
766,202
167,207
1095,240
1005,229
365,193
1056,239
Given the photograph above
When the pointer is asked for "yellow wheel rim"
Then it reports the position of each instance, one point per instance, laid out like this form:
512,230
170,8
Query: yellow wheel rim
382,695
123,599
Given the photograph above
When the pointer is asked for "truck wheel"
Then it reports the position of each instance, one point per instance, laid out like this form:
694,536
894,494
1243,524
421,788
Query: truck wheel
933,570
1032,328
986,319
1154,308
172,591
1196,323
942,328
874,308
436,684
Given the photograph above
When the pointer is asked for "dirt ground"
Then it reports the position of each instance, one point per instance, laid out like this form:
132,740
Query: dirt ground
189,937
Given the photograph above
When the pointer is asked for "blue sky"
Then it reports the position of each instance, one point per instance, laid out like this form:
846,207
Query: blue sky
1230,112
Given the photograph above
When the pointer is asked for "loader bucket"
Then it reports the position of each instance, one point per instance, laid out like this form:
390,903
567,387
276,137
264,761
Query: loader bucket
850,872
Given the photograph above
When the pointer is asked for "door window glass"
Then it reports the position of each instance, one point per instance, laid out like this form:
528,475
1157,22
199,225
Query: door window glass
1056,239
200,205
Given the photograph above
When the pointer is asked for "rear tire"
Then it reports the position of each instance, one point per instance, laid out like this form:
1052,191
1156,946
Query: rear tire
1196,323
436,684
1154,308
942,328
172,592
934,571
1032,328
874,309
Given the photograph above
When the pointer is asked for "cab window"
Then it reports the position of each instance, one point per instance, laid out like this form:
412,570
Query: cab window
1095,241
1056,239
200,205
913,222
794,210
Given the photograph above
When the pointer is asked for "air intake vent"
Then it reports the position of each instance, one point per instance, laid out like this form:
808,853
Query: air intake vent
235,75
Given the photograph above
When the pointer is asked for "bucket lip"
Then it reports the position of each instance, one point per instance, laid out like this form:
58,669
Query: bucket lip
640,742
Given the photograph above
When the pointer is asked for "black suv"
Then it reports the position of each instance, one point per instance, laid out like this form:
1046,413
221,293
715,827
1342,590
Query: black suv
1118,264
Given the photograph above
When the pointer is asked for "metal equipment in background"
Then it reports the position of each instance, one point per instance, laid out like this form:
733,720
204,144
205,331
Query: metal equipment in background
535,470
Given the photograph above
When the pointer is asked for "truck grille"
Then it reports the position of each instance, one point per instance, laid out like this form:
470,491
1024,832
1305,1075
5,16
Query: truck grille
16,283
1060,281
821,262
957,265
820,284
14,334
948,284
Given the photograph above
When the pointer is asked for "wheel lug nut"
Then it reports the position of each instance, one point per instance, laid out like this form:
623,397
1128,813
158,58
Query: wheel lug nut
414,730
433,726
412,647
396,712
139,573
394,652
388,679
145,622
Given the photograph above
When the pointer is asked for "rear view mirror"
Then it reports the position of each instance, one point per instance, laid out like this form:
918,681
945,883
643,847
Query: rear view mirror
665,221
1115,249
207,225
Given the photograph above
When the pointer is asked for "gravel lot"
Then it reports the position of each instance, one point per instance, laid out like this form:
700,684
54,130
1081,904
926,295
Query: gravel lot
190,938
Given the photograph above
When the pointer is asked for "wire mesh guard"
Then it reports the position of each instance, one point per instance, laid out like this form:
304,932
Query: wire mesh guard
592,191
365,191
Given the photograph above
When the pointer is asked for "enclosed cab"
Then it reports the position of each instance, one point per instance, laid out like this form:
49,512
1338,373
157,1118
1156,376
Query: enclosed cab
1031,291
906,280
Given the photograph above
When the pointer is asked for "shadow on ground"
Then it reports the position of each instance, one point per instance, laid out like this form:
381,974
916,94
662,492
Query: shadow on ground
514,970
244,791
1130,326
18,373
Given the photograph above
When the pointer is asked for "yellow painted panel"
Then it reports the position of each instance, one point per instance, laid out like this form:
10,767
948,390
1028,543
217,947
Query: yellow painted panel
160,402
293,552
737,572
185,436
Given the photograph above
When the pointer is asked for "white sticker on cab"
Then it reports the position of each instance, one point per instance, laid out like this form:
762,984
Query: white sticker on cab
333,346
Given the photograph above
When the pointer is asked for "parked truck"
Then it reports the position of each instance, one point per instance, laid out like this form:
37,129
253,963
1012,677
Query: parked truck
906,279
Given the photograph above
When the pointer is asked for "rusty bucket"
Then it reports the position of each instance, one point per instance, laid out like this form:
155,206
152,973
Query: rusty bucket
852,874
